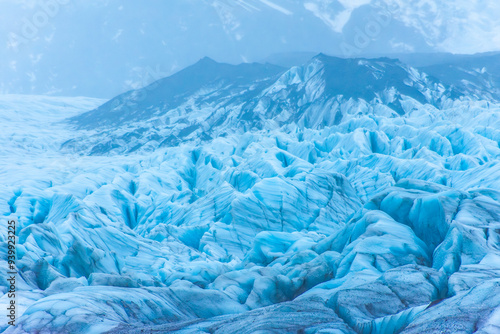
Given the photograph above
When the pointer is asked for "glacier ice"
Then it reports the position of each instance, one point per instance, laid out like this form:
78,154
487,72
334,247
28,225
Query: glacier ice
375,221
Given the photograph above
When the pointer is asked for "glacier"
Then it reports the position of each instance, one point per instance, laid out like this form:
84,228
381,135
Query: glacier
340,196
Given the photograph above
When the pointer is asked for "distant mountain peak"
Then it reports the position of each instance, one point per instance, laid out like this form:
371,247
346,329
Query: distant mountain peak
206,60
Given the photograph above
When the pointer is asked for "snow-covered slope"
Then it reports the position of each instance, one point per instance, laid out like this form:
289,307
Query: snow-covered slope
284,218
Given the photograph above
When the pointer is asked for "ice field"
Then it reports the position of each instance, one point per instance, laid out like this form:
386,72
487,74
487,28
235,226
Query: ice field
341,196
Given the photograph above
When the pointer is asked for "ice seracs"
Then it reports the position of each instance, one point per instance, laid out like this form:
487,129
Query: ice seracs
287,218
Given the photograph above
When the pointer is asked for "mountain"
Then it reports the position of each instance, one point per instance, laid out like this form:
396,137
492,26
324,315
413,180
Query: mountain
211,99
337,196
101,48
465,71
477,74
206,76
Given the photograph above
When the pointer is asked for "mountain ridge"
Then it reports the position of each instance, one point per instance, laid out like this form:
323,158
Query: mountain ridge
209,99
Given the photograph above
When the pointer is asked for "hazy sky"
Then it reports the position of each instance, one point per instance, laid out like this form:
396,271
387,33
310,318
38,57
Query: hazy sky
101,48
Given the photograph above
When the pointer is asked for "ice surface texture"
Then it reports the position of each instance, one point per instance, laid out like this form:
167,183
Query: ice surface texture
286,218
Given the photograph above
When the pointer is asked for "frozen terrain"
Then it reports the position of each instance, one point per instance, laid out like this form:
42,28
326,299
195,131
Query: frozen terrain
341,196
